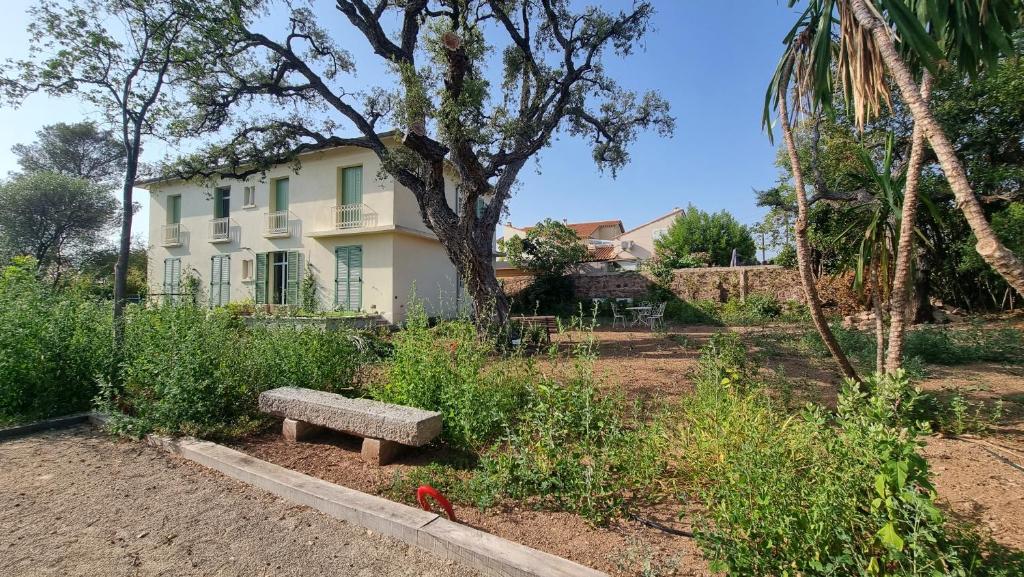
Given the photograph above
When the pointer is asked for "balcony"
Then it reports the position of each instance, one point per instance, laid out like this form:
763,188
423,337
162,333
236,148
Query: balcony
220,230
277,224
346,219
170,235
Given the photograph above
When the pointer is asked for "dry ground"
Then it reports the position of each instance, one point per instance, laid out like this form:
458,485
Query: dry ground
77,502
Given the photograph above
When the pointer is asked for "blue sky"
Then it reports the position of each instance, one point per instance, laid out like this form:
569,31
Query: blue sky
711,59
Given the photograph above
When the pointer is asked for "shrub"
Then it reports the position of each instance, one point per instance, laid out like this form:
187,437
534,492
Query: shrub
53,346
755,309
193,371
445,369
814,494
574,449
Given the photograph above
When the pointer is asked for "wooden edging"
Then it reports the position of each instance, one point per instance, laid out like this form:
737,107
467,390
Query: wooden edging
476,549
44,425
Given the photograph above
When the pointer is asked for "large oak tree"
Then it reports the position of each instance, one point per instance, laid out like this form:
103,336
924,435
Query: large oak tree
479,87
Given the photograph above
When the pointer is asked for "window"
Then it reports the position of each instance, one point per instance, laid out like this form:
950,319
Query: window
348,278
658,233
278,277
249,197
279,200
220,280
351,185
174,209
247,266
222,202
172,279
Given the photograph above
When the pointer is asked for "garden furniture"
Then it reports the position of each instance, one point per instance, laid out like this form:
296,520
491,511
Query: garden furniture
639,314
386,429
657,316
549,324
617,316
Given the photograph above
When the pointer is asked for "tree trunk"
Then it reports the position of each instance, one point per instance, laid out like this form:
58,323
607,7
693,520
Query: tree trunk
123,252
989,247
876,306
898,303
803,250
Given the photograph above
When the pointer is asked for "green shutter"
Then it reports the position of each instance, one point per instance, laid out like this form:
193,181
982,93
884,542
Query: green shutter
281,195
352,185
174,209
480,206
215,265
348,279
355,278
220,280
294,276
261,278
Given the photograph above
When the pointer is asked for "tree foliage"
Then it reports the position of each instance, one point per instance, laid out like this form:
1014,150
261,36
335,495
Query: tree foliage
82,150
699,238
549,249
53,217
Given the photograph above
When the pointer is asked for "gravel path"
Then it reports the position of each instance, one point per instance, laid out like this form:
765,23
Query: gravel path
76,502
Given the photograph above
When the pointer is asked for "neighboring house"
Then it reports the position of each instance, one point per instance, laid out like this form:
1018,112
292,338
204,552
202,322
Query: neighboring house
361,239
610,247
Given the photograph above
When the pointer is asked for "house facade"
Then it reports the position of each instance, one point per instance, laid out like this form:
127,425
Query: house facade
610,247
357,240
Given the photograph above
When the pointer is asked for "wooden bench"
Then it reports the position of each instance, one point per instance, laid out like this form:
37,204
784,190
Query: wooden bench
548,323
386,429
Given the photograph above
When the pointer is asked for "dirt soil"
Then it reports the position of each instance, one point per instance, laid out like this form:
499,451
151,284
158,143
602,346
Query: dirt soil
625,548
76,502
972,482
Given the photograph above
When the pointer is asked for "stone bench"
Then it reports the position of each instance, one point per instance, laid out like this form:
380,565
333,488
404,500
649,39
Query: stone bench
385,428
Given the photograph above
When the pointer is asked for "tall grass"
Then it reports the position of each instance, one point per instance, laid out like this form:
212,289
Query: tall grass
815,493
194,371
54,346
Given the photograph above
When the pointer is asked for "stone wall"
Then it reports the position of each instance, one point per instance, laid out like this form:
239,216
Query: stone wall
717,284
723,283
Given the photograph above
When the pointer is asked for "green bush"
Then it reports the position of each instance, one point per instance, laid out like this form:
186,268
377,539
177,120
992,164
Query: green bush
957,346
53,346
814,494
755,309
575,449
445,368
200,372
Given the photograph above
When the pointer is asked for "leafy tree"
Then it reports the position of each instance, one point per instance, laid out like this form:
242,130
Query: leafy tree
696,232
454,113
119,56
52,217
82,150
549,249
96,270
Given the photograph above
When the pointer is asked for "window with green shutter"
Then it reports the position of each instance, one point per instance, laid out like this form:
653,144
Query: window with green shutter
348,278
261,279
280,196
352,185
172,279
220,280
294,278
174,209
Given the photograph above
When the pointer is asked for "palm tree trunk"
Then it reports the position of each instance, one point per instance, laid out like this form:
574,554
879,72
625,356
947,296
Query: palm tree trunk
899,318
989,247
803,250
876,304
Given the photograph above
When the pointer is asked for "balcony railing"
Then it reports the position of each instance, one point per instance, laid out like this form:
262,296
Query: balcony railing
348,216
220,230
170,234
277,224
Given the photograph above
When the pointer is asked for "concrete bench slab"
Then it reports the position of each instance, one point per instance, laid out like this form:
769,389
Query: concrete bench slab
385,428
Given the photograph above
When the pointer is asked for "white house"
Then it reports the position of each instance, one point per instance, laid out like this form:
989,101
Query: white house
360,238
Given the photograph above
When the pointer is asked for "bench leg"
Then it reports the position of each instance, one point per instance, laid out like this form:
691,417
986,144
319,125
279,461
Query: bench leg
293,430
379,451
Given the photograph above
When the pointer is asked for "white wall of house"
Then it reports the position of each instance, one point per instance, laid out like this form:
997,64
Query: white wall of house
391,224
643,237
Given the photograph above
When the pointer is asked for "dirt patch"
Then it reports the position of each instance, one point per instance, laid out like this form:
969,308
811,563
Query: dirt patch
75,502
623,548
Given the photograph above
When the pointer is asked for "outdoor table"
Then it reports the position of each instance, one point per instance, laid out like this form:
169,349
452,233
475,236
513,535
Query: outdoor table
639,314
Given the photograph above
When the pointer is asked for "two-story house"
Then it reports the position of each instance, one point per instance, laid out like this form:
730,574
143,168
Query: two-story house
359,238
